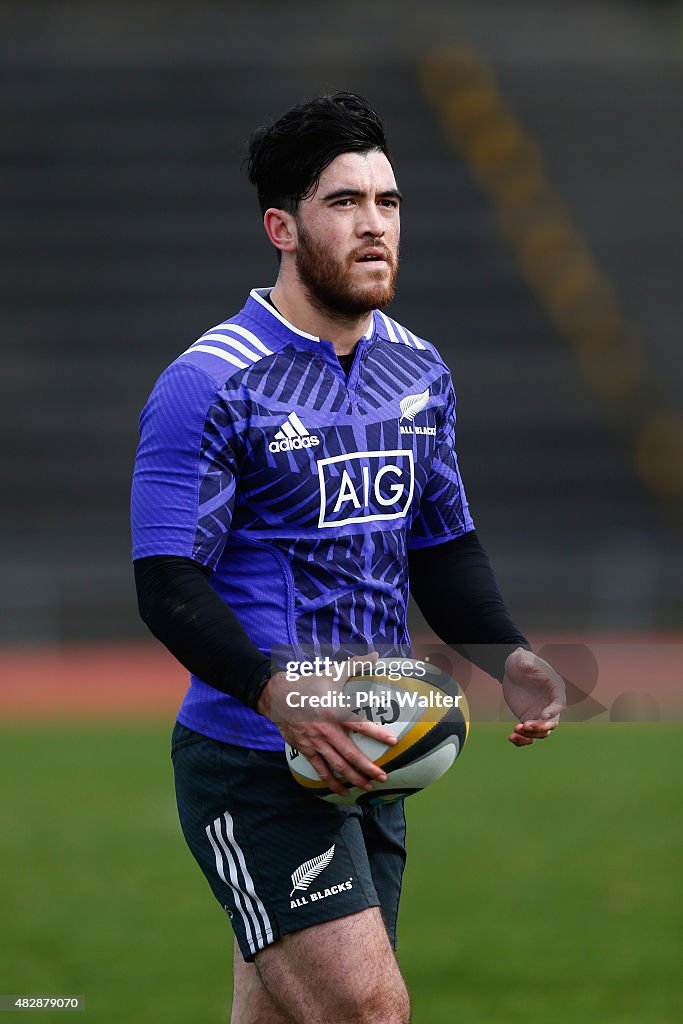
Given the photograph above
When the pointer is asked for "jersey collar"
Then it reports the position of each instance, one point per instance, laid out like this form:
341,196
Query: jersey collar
263,311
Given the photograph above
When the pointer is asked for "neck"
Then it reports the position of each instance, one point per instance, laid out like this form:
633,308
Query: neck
295,304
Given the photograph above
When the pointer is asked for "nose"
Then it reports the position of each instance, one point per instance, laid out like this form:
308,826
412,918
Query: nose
370,222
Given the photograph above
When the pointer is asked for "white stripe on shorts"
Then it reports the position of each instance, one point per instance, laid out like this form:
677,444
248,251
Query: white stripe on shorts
235,888
256,921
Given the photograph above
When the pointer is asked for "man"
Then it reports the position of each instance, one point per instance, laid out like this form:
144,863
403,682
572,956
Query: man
283,493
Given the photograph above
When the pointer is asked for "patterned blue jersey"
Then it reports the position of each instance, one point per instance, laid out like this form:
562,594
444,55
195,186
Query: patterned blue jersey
300,488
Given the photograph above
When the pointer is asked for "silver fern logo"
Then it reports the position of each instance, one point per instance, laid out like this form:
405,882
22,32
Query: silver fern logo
309,870
412,404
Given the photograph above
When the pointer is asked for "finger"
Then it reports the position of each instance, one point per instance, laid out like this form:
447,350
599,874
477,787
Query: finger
337,747
357,776
326,774
519,741
362,764
554,709
371,729
535,729
531,734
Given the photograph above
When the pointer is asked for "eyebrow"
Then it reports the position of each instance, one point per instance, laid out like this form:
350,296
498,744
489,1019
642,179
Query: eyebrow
342,193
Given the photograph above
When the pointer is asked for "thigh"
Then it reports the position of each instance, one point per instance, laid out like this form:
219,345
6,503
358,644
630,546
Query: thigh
342,970
277,858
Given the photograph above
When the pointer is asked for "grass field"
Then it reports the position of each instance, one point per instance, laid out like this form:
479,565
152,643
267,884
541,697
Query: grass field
543,884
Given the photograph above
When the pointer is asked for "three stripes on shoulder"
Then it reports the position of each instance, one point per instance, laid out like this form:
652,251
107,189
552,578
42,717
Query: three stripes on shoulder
240,347
399,334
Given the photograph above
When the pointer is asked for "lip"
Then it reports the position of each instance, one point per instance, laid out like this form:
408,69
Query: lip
377,254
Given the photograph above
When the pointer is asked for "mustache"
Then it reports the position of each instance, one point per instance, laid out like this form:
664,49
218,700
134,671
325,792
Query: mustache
390,255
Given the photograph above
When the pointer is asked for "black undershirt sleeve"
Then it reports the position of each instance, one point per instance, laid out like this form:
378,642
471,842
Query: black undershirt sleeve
456,590
453,584
180,607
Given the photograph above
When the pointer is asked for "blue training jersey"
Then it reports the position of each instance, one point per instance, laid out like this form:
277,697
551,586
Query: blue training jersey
300,488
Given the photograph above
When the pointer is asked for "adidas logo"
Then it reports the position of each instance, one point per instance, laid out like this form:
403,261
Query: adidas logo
293,435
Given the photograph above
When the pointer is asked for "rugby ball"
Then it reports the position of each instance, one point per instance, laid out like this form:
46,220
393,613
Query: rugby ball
424,708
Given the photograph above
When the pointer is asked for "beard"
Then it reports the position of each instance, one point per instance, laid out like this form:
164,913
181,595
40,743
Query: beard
328,279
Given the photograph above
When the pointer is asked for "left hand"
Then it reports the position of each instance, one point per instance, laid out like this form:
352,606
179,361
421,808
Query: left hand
534,691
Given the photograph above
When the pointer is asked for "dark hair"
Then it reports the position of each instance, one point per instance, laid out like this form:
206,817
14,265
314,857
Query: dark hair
286,159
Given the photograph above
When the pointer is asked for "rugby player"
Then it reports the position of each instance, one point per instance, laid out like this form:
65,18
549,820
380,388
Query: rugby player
296,476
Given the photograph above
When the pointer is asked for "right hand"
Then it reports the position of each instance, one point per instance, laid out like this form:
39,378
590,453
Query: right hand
323,734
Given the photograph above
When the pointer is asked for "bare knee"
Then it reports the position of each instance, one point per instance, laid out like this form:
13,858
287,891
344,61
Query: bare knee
341,971
386,1004
382,999
391,1009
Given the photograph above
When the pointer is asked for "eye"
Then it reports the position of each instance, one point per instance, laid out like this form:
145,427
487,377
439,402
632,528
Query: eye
391,204
342,202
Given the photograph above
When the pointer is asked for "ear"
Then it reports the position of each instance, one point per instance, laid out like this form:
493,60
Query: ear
281,229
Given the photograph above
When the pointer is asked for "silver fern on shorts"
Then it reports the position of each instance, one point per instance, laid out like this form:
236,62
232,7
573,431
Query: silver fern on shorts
310,869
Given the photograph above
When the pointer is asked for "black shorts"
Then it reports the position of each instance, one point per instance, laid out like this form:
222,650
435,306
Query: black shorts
277,858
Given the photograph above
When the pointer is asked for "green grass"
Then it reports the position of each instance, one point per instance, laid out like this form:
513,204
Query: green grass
542,885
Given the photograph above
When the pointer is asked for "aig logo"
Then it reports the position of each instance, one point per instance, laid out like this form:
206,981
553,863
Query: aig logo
365,485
